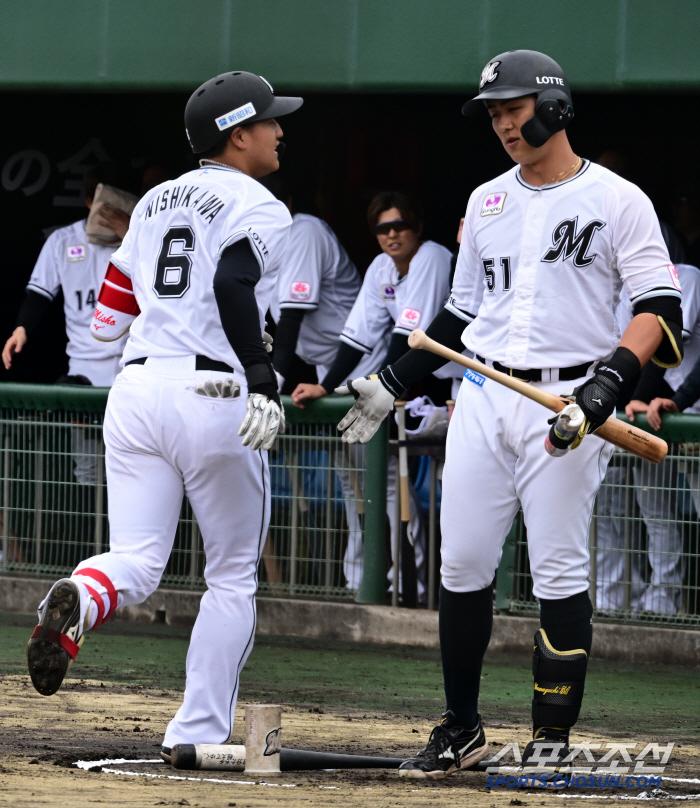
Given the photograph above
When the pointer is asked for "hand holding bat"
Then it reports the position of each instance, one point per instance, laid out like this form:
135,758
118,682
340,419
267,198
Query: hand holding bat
625,436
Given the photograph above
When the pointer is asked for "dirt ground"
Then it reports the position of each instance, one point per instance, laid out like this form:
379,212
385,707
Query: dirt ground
88,720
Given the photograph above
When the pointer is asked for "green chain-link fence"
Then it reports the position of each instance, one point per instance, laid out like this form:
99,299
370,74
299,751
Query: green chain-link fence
644,533
54,497
644,538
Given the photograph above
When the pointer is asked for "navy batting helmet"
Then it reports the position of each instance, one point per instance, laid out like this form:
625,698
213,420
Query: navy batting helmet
525,72
230,100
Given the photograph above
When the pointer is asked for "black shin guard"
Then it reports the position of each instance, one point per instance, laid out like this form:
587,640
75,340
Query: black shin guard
466,619
559,680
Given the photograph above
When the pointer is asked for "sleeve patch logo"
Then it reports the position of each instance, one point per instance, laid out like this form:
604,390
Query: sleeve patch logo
475,378
78,252
235,116
300,290
494,203
388,291
409,318
675,280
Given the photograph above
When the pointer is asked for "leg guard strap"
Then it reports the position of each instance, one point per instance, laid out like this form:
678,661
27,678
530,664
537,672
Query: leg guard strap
559,681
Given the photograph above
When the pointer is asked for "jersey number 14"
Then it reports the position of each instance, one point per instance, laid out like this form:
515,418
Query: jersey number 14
174,265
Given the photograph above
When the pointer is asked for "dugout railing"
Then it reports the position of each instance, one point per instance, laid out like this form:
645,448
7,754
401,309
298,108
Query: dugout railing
53,498
644,531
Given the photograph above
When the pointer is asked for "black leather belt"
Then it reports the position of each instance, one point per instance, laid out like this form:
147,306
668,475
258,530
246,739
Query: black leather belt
535,374
201,363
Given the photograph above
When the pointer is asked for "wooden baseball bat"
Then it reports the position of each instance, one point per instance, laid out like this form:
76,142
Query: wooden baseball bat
227,757
617,432
409,581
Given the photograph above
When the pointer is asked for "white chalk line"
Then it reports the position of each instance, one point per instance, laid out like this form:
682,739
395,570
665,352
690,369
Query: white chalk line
88,764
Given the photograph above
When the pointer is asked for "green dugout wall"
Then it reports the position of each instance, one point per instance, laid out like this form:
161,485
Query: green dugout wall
342,44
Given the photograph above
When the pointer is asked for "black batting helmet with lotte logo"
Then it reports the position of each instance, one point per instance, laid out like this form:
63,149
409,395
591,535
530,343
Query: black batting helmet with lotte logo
525,72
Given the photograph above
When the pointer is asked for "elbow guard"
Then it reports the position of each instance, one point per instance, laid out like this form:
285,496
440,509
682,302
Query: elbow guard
667,310
116,307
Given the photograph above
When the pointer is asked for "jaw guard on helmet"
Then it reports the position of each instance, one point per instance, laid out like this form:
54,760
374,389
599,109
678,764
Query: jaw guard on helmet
524,72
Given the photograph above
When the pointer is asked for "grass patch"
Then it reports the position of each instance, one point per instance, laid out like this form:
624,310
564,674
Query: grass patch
407,681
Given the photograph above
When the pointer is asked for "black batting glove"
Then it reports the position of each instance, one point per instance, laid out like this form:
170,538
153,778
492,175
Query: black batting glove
598,395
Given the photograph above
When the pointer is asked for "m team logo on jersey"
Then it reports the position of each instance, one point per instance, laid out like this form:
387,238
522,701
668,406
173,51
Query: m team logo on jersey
568,242
409,318
488,74
675,280
388,291
300,290
76,252
494,203
235,116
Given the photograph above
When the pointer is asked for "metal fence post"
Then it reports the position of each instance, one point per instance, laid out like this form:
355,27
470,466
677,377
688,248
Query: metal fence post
6,500
432,533
38,494
373,586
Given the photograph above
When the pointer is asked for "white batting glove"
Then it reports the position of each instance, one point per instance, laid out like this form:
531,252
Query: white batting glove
373,403
267,342
228,388
264,418
280,381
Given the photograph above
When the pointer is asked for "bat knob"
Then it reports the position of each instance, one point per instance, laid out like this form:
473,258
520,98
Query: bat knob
415,338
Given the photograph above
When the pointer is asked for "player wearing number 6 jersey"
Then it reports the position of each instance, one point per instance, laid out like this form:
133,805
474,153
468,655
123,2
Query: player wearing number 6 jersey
545,252
196,404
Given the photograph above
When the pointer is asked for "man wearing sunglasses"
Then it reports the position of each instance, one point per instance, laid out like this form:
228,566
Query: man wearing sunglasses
406,285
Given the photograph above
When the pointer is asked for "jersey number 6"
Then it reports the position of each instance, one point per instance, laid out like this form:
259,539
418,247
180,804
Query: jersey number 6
174,265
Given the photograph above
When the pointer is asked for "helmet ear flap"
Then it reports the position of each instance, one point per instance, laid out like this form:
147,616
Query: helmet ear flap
552,114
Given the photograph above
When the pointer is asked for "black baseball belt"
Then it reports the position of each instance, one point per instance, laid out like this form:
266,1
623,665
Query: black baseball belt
201,363
537,374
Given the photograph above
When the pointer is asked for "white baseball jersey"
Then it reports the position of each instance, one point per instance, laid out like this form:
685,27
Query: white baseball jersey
689,277
543,267
317,276
388,303
69,262
177,234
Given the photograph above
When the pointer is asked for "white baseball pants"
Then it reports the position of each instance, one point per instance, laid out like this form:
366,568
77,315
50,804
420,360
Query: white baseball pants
162,441
495,462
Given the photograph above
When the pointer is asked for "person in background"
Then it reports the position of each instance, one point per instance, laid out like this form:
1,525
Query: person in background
654,486
316,289
685,218
70,263
405,285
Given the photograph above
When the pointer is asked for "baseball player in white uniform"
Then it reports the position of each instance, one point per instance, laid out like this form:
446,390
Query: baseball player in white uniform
546,250
195,408
404,286
70,263
316,289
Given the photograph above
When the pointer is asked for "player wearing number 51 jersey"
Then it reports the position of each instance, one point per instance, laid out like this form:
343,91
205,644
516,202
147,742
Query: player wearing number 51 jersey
196,406
546,250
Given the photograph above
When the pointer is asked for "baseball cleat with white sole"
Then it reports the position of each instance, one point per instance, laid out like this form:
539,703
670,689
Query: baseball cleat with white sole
449,748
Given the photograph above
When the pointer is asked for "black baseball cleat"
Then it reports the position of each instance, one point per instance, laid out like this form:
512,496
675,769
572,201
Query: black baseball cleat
547,759
450,747
165,752
56,641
